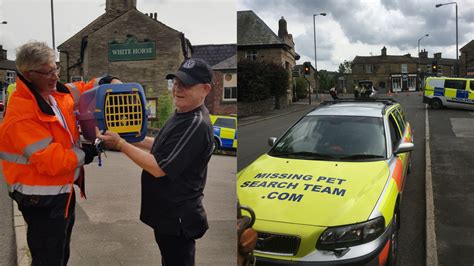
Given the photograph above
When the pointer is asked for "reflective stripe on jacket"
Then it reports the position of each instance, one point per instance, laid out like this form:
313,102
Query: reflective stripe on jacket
38,156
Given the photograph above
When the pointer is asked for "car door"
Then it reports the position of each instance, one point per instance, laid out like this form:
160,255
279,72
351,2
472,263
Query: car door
227,127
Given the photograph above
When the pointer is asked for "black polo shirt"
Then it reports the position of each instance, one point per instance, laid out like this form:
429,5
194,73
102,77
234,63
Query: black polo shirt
182,148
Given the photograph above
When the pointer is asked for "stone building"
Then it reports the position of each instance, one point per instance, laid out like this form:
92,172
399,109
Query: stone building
397,72
222,99
466,60
7,69
256,41
126,43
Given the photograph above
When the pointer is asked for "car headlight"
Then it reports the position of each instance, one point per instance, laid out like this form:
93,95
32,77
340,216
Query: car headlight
351,235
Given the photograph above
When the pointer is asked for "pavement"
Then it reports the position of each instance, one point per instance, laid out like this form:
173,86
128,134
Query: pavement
108,231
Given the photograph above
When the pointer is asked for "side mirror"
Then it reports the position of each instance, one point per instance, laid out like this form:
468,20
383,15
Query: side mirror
271,141
404,147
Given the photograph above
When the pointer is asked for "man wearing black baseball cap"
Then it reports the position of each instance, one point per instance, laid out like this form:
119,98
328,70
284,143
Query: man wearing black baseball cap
175,170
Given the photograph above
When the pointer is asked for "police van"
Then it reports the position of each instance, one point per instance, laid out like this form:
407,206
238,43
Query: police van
449,92
225,132
329,190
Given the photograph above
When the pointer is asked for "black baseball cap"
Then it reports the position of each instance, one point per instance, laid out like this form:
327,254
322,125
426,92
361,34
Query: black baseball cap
193,71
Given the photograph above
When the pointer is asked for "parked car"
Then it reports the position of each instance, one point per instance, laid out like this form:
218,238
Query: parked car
329,190
449,92
225,132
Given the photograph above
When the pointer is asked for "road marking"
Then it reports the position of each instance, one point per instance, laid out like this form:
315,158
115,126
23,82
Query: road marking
431,249
463,127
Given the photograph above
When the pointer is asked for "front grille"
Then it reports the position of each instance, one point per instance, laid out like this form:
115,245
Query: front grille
279,244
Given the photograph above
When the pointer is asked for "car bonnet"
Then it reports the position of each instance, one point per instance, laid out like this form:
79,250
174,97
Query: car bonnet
320,193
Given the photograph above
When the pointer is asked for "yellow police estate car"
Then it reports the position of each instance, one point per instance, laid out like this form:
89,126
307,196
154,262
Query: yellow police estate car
329,190
225,132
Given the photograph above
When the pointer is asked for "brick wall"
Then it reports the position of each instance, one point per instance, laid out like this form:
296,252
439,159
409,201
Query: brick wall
214,101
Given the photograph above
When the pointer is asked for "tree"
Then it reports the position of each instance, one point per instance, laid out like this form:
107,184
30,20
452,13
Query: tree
345,68
260,80
251,86
301,88
278,80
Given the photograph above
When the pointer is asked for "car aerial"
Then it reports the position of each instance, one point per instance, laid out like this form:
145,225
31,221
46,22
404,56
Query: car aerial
225,132
329,189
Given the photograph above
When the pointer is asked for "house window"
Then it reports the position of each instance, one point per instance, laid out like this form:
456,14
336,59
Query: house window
230,87
404,68
411,83
251,55
396,83
76,78
369,68
440,70
428,68
10,76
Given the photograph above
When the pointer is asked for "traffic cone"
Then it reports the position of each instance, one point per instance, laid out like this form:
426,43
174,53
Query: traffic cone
421,93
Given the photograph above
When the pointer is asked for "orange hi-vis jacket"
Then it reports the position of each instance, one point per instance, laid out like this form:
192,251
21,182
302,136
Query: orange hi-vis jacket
41,158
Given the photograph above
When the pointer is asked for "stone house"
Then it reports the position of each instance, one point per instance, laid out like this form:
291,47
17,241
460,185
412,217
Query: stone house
466,60
397,72
7,69
256,41
128,44
222,99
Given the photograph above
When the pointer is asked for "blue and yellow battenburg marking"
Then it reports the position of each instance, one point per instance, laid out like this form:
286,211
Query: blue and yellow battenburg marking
228,137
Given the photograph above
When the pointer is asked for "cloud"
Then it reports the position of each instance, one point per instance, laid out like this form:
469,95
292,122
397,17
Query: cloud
363,27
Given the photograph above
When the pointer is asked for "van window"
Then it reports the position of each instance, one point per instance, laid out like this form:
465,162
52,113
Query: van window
225,122
472,85
455,84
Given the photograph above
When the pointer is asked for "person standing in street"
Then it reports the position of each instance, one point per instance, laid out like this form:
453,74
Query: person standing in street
41,153
175,166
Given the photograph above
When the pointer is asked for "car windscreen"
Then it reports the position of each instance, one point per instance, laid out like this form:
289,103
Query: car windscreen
341,138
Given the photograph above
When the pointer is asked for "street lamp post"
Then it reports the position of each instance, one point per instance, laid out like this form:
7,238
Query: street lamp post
457,55
52,24
418,67
426,35
315,58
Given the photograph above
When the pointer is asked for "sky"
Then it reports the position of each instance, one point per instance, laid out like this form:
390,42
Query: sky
364,27
202,21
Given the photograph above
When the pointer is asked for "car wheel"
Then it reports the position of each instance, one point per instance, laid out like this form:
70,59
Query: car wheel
393,251
216,146
436,104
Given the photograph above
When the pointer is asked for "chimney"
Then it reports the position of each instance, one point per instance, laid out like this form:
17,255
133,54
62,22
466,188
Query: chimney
155,15
384,51
437,55
423,54
3,53
119,6
282,30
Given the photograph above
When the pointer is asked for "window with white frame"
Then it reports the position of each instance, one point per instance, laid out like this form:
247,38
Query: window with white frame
369,68
404,68
428,68
230,87
10,76
440,70
251,55
396,83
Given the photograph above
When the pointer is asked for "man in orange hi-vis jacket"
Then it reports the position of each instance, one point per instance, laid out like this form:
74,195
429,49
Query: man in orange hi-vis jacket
41,152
